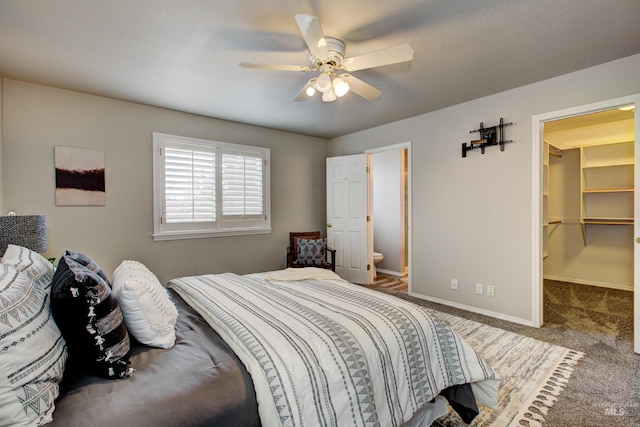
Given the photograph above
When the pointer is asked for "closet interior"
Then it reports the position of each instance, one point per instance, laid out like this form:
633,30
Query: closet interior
588,199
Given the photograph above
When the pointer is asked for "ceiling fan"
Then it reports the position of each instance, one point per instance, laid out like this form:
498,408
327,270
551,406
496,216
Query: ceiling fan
327,55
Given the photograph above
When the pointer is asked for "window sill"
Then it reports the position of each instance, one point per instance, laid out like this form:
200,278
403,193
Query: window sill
183,235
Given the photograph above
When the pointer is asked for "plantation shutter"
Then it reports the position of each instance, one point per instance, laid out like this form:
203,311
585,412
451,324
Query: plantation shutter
242,184
205,188
190,185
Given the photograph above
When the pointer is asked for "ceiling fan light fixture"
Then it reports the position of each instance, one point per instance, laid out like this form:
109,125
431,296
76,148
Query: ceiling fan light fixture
327,55
340,87
329,95
323,83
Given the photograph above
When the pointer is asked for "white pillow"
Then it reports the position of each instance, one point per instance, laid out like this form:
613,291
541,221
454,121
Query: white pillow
32,351
31,263
148,312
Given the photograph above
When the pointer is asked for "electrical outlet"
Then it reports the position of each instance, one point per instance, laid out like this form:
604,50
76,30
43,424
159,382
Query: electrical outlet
454,284
479,288
491,290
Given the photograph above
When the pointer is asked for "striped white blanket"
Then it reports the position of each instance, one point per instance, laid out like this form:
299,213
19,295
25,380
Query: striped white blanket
330,353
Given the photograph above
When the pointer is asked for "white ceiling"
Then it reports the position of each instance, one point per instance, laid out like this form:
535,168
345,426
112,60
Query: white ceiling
184,54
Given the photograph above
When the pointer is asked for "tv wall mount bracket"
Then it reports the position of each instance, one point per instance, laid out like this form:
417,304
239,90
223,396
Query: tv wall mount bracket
489,136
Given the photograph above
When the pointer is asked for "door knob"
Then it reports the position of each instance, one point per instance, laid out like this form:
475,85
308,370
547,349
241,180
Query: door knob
637,239
329,225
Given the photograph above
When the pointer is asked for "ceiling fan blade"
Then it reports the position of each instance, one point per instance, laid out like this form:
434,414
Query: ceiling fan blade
302,95
301,68
313,35
361,88
391,55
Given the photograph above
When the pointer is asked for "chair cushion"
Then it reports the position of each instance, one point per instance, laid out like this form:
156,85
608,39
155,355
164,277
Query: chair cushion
311,252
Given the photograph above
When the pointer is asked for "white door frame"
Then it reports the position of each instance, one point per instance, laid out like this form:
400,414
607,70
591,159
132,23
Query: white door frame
400,146
536,147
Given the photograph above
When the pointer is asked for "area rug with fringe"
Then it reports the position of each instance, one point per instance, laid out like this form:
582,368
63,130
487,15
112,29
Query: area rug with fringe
532,373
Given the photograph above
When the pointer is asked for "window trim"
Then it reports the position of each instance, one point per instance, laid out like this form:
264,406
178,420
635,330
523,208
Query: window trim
217,229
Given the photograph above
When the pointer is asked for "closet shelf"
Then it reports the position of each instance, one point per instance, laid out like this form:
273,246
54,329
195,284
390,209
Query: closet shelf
608,221
607,185
607,190
607,164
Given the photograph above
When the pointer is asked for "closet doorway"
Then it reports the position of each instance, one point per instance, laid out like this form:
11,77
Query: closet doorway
588,170
589,211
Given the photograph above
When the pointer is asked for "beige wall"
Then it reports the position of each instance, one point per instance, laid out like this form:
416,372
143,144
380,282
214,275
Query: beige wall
472,217
37,118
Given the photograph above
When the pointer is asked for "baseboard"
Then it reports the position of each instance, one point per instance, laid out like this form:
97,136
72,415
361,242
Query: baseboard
518,320
590,283
391,272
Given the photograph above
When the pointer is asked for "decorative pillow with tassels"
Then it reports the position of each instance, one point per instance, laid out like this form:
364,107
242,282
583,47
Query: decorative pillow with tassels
312,252
88,315
85,261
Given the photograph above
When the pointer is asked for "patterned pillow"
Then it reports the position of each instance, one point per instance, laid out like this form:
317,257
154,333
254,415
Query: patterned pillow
148,312
88,315
85,261
32,351
32,263
312,252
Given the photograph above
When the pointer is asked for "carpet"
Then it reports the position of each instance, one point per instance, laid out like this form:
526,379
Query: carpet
532,373
598,322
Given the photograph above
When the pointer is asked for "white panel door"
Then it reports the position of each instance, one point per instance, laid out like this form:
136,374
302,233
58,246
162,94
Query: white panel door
348,228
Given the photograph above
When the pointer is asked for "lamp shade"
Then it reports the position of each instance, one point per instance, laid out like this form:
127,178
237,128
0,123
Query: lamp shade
29,231
323,83
329,95
310,91
340,87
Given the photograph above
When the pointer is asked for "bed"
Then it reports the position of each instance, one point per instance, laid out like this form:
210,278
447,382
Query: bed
293,347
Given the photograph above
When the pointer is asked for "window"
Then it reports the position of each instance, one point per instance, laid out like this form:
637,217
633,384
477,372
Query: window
207,188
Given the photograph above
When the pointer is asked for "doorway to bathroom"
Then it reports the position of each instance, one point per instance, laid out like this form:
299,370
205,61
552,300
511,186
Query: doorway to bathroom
391,212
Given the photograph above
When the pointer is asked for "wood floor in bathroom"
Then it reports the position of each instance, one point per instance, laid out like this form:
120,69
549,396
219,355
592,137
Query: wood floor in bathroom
391,282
